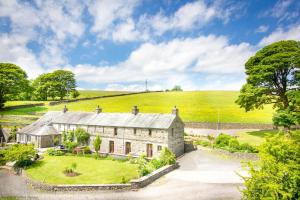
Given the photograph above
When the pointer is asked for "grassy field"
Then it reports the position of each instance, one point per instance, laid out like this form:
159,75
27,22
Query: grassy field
97,93
255,138
92,171
198,106
17,103
202,106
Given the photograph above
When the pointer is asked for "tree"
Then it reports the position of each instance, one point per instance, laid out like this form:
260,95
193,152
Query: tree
276,175
177,88
97,143
284,118
59,83
271,74
13,81
82,136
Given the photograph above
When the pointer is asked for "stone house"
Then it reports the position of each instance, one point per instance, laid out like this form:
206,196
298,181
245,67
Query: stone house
121,133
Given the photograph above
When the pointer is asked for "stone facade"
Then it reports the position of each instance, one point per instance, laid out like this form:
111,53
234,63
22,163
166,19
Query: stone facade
136,133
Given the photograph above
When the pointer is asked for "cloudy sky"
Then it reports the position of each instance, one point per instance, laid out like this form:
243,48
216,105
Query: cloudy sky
118,44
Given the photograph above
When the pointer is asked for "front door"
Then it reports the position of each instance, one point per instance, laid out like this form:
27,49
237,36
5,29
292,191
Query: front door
111,147
149,150
128,148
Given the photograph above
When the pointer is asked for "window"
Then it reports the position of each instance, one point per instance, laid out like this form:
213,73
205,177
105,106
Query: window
115,131
127,148
111,147
150,132
134,131
159,148
172,131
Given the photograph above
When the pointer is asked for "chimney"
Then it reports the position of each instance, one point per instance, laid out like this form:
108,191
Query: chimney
175,111
65,109
98,110
135,110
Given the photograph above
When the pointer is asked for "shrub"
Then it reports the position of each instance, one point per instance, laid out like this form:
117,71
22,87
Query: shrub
202,143
231,144
97,143
70,136
87,150
70,146
22,163
19,152
155,163
167,157
82,136
222,140
54,152
276,174
245,147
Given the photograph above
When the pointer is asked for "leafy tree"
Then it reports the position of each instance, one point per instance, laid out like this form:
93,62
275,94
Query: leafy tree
82,136
59,83
284,118
177,88
277,173
13,81
271,74
97,143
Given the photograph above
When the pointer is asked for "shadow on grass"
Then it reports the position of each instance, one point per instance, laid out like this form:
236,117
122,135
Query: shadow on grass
263,133
24,111
37,164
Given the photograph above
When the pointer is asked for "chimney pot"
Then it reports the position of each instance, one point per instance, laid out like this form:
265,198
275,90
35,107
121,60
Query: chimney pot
98,110
175,111
65,109
135,110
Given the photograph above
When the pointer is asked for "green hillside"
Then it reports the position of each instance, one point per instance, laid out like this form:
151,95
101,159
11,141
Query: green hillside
194,106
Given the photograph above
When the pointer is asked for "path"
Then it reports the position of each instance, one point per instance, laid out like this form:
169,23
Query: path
201,175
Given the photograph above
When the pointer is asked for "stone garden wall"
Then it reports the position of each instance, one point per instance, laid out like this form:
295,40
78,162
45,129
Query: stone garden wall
134,184
214,125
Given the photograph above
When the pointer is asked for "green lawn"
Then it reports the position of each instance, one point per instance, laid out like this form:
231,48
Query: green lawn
201,106
92,171
255,138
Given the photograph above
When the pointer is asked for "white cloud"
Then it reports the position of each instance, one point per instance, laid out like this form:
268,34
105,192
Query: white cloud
293,33
13,49
262,29
170,63
191,16
55,25
110,15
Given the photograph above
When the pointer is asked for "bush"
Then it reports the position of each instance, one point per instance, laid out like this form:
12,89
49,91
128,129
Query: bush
276,174
54,152
87,150
167,157
82,136
245,147
23,163
231,144
155,163
19,152
202,143
70,146
222,140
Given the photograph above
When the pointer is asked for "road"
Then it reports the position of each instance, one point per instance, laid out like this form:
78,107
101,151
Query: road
202,175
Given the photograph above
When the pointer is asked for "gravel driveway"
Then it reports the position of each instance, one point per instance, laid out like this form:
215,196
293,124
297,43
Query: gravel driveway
201,175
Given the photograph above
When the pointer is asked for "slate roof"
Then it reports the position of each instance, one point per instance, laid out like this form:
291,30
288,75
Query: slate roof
140,120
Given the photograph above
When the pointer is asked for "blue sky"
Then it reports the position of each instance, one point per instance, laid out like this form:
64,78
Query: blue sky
118,44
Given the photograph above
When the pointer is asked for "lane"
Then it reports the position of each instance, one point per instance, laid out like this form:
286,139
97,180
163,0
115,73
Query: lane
201,175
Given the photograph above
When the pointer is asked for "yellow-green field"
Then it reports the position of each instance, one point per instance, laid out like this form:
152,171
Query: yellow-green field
197,106
98,93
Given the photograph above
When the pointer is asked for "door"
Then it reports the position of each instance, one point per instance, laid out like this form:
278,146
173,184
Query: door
149,150
127,148
111,147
